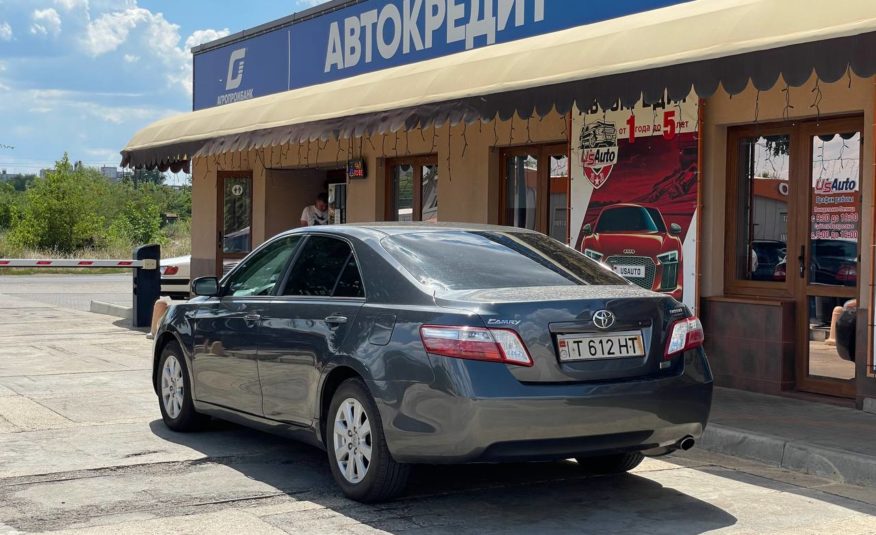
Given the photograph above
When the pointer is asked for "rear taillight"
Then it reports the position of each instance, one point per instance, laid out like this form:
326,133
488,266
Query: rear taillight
684,335
169,270
780,273
475,343
847,273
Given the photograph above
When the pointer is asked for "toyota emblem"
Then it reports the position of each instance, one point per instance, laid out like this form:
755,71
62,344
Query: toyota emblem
603,319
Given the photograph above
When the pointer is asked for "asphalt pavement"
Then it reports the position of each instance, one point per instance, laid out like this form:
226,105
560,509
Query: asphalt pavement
83,450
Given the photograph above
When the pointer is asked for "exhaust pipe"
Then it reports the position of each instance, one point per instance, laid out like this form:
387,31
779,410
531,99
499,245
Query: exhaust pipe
686,443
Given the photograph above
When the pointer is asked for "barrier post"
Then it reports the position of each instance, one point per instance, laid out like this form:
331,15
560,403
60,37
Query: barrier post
147,284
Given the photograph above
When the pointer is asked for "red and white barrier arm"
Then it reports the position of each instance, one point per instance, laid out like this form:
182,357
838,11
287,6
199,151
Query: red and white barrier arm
85,264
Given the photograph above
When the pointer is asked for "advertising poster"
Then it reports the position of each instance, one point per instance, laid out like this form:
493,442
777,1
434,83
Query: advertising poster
634,192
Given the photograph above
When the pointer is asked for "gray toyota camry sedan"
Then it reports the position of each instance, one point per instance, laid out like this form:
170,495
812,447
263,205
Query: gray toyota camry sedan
389,345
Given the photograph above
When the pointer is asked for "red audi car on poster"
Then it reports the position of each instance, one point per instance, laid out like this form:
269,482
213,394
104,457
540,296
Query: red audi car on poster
635,242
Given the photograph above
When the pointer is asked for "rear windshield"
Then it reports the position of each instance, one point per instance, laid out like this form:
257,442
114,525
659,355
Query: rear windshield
483,260
630,219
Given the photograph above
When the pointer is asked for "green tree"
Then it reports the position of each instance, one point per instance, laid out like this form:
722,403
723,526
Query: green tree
138,223
61,212
9,204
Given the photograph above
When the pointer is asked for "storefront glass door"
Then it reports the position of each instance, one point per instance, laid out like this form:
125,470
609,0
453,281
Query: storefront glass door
794,234
830,252
234,235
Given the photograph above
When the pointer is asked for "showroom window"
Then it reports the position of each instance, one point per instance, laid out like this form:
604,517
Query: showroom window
412,189
535,189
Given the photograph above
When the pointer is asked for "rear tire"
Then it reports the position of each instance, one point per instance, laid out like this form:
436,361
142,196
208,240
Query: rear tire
175,391
611,464
358,456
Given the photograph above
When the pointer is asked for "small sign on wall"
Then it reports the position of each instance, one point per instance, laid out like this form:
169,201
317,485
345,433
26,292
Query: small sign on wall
356,169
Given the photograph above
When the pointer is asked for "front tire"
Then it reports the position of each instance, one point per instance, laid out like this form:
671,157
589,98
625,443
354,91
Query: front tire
358,456
175,391
610,464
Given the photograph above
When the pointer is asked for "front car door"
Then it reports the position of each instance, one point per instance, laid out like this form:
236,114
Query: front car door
225,370
306,326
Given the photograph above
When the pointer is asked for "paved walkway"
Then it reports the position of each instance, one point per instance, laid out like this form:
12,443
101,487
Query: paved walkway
816,438
75,291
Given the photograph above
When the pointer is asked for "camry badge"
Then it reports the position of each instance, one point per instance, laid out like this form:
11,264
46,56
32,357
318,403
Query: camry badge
603,319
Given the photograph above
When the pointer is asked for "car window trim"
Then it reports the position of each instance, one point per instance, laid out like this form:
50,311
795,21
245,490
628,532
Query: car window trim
298,253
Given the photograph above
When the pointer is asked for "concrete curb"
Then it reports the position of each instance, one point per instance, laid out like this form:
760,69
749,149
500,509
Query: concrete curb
829,463
109,309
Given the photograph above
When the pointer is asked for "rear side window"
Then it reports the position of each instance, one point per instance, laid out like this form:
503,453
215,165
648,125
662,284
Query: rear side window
326,267
474,260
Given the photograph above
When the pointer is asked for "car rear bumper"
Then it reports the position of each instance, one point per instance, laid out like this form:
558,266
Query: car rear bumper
175,287
475,414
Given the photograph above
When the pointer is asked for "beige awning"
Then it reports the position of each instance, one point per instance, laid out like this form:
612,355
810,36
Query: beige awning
700,44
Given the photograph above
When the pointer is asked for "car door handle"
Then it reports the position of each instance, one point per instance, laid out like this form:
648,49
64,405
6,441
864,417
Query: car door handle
251,319
336,320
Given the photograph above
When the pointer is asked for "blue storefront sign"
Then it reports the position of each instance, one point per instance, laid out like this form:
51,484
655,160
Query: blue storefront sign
378,34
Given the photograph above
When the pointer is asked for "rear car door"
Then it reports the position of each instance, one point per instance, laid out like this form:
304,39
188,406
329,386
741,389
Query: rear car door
225,370
306,326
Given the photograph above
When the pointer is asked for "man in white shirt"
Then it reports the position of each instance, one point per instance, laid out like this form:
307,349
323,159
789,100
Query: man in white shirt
317,213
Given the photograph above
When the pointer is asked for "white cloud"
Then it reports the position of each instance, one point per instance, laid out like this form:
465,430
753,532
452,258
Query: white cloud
71,5
131,58
5,31
110,30
204,36
46,22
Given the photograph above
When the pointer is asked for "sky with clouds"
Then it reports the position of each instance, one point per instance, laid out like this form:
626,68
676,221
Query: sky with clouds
82,76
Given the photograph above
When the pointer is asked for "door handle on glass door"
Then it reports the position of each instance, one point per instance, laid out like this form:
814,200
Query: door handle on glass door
336,320
802,259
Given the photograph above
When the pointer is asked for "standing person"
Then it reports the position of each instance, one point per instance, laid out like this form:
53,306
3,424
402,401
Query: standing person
316,213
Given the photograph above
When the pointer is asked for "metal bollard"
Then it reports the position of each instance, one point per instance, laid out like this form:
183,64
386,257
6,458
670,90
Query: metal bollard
147,284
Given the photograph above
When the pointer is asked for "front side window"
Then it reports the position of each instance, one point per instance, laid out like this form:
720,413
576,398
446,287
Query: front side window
260,273
326,267
461,260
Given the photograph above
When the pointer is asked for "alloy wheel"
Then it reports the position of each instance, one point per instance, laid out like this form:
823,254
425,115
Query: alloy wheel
352,440
172,387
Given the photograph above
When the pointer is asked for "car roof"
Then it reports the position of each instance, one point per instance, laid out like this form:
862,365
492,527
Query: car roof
391,228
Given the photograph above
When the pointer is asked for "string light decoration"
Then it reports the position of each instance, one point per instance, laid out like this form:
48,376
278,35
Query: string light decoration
464,138
434,138
511,134
496,131
757,106
818,98
449,150
786,113
528,134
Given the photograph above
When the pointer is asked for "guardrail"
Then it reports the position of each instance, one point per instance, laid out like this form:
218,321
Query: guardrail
147,277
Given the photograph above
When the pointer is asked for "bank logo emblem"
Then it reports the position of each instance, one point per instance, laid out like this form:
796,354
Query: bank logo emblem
235,69
599,152
603,319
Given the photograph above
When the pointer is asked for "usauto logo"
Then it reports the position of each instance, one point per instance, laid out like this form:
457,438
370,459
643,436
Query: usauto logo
599,151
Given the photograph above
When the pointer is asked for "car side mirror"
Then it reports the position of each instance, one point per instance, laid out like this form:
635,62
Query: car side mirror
588,229
675,229
206,286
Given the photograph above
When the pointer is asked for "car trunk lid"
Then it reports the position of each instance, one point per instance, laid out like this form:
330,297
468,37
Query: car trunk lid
548,318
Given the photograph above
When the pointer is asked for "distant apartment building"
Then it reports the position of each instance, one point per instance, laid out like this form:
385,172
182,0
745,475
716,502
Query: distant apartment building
111,173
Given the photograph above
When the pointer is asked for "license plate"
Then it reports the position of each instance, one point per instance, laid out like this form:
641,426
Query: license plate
601,346
630,272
